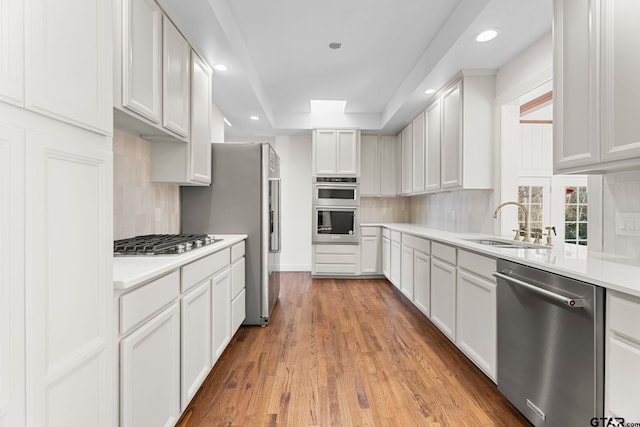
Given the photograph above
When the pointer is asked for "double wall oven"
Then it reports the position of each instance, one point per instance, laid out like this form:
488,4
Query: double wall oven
336,205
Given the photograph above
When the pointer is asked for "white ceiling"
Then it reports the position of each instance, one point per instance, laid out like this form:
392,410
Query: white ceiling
392,50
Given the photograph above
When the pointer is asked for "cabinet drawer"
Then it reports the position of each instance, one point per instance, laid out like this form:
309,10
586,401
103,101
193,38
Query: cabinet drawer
141,303
369,231
444,252
335,258
478,264
336,268
336,249
237,251
396,236
623,314
417,243
197,271
386,233
237,277
238,311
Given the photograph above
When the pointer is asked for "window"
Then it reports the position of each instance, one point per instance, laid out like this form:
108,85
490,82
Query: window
532,196
575,215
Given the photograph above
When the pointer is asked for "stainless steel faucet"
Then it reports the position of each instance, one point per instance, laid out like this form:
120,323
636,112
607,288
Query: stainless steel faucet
527,232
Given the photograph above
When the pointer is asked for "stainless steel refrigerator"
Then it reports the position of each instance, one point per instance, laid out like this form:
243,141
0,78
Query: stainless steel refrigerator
244,198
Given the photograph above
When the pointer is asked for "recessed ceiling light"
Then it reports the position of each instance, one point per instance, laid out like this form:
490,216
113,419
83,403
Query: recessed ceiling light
335,45
487,35
228,123
220,67
254,118
430,91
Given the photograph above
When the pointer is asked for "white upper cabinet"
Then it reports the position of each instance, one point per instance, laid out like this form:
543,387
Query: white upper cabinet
407,159
68,73
142,58
175,79
451,142
418,166
370,159
595,85
12,51
379,168
466,147
336,152
432,120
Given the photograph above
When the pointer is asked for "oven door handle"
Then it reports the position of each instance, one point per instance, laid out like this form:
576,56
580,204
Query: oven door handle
570,302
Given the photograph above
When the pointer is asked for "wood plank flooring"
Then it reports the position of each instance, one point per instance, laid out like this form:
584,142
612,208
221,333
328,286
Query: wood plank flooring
346,353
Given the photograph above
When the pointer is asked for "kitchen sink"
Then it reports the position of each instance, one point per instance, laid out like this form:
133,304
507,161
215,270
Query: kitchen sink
499,243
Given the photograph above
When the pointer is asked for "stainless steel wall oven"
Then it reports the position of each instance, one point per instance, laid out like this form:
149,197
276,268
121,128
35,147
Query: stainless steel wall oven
336,191
336,224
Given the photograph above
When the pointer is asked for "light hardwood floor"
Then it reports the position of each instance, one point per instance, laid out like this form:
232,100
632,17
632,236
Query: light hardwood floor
346,353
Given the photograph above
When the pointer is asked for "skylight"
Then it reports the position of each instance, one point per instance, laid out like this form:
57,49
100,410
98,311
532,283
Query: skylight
327,106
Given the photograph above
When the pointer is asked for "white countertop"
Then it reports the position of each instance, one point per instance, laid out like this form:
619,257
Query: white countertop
610,271
130,271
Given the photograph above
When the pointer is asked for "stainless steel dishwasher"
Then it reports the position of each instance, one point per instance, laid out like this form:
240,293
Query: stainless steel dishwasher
550,345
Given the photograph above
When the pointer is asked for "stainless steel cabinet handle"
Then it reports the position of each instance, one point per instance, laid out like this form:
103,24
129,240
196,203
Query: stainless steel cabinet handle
570,302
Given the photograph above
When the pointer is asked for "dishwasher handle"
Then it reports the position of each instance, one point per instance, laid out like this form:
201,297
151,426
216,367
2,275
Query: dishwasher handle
570,302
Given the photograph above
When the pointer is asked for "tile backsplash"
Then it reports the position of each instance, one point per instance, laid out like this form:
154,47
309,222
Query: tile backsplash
384,209
140,206
466,211
621,198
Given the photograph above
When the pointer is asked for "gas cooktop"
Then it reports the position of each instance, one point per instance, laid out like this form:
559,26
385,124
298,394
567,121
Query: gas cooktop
161,244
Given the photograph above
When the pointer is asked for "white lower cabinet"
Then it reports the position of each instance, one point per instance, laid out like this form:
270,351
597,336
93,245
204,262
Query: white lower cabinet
150,372
622,356
196,340
395,267
386,253
443,288
332,260
370,251
221,318
422,282
406,272
476,325
172,330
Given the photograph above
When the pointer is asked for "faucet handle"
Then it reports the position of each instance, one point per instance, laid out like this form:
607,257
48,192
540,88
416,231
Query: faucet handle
517,236
549,230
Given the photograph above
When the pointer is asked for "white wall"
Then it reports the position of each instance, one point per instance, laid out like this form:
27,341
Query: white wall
621,195
295,173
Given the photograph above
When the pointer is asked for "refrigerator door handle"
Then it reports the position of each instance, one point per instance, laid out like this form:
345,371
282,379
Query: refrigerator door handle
275,214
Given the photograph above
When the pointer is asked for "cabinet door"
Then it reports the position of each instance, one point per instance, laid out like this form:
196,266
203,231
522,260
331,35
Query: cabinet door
575,92
620,89
422,282
370,254
68,64
200,144
443,297
150,372
221,312
142,58
196,360
476,320
324,152
451,138
418,165
69,308
433,123
406,275
388,166
386,257
370,173
348,151
407,159
396,256
175,79
12,51
12,351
